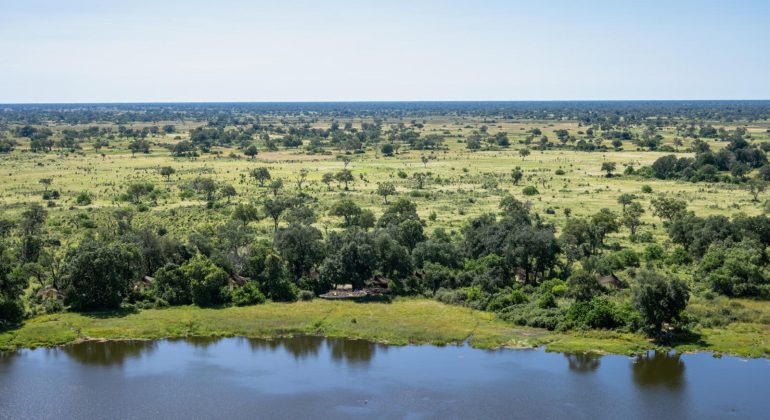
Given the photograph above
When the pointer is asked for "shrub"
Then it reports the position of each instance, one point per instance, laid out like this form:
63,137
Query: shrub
530,190
306,295
248,294
646,189
83,199
595,313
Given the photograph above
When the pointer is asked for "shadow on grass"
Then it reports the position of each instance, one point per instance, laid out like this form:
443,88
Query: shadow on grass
111,313
680,338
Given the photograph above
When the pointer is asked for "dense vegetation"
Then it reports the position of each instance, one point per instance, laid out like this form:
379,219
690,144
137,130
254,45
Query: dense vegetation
222,205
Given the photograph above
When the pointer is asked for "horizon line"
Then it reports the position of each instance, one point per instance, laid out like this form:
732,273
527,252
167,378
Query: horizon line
379,101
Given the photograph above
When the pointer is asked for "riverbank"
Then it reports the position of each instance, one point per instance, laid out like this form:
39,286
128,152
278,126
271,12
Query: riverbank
407,321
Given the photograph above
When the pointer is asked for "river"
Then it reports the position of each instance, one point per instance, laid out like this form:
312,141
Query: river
313,377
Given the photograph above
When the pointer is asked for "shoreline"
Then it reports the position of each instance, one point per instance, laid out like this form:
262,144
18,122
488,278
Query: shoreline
403,322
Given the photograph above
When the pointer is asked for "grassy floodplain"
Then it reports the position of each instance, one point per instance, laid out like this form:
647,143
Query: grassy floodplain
405,321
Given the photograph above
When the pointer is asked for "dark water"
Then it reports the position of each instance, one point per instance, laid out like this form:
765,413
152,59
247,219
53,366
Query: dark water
310,377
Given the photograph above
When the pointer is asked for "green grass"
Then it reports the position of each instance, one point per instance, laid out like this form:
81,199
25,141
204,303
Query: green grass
405,321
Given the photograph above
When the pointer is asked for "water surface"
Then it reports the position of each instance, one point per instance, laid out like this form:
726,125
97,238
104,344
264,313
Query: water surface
312,377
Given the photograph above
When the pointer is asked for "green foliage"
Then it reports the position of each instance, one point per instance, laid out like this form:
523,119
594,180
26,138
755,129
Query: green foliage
584,286
172,285
736,269
530,190
98,275
248,294
595,313
659,299
207,281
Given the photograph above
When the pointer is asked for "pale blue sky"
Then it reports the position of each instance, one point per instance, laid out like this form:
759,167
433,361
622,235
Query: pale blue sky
294,50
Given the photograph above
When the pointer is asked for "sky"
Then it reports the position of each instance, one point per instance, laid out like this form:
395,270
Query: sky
337,50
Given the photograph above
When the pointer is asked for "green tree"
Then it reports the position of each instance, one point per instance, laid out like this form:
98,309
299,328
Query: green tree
346,209
385,189
608,167
516,175
261,175
166,171
344,176
668,208
658,299
632,216
246,213
98,275
207,281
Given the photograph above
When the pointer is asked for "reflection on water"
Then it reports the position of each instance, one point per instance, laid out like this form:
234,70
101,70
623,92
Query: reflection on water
335,378
582,362
659,369
110,353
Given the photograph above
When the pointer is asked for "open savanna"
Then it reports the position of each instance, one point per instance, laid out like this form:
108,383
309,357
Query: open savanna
457,189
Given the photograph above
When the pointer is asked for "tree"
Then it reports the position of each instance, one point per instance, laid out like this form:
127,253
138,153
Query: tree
172,285
668,208
276,279
166,171
735,269
274,208
228,191
251,151
524,153
327,179
275,186
206,187
137,190
608,167
757,187
98,275
46,182
626,199
207,281
658,299
516,175
385,189
300,247
32,219
301,177
603,223
632,216
346,209
420,178
424,160
583,286
245,213
344,176
260,175
387,149
11,289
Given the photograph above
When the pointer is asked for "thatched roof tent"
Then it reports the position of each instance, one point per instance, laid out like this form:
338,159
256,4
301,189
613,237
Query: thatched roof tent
611,281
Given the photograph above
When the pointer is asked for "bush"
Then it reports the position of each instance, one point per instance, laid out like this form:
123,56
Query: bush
83,199
206,281
533,316
172,286
248,294
11,311
546,300
646,189
506,299
653,252
306,295
451,297
530,190
595,313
